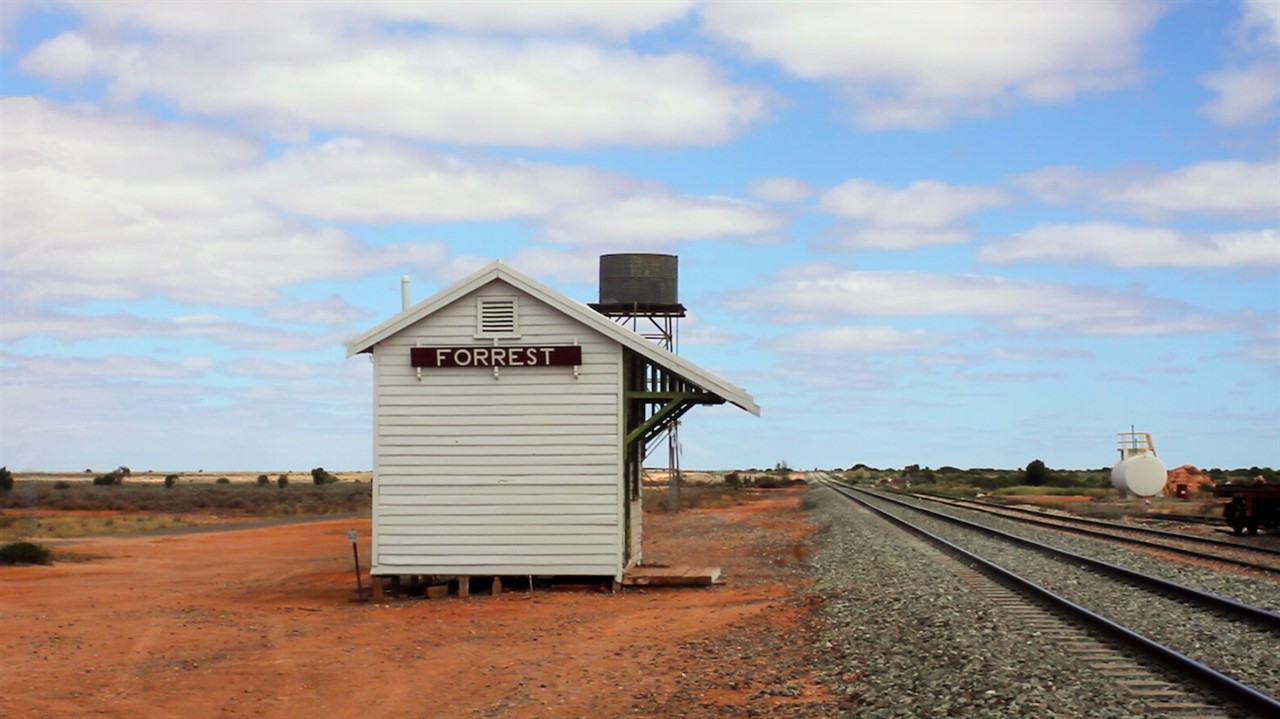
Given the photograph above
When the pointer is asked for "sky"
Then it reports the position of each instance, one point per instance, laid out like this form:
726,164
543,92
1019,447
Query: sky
964,233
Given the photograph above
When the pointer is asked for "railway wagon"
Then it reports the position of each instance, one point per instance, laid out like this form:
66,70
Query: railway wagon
1251,506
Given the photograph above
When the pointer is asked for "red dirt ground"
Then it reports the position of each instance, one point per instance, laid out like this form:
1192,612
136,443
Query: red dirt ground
257,623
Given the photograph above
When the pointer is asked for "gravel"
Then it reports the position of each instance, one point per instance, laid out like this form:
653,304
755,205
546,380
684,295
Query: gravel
905,637
1227,581
1237,648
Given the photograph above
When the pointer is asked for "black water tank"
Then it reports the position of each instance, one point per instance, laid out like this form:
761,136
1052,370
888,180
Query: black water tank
639,279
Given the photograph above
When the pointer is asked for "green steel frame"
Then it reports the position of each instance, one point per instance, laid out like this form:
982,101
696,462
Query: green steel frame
654,398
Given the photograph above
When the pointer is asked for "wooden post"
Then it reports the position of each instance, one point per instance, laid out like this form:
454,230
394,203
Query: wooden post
375,585
496,589
464,586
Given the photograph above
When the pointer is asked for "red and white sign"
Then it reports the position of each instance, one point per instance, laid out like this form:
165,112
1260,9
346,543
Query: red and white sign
495,356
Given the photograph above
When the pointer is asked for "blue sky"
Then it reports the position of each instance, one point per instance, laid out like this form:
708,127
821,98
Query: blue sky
968,234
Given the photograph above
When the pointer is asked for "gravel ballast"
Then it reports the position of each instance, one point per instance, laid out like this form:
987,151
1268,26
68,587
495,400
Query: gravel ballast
1237,648
907,638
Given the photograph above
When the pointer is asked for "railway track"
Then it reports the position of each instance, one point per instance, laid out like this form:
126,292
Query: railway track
1178,544
1215,631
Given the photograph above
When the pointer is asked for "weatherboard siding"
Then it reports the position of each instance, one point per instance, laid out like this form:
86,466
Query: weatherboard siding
519,474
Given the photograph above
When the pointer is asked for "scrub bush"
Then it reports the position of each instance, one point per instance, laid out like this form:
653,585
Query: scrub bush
6,480
25,553
1037,474
109,479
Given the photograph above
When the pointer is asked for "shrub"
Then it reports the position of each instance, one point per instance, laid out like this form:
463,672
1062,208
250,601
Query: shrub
222,480
321,476
170,480
61,485
1036,473
109,479
25,553
6,480
263,480
734,480
282,481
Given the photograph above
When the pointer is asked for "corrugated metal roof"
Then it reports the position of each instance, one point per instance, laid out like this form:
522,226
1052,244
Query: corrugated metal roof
577,310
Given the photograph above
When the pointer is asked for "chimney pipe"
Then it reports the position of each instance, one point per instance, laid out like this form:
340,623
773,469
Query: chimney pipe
404,292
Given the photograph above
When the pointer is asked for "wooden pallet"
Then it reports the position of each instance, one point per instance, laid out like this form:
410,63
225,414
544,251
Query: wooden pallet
681,575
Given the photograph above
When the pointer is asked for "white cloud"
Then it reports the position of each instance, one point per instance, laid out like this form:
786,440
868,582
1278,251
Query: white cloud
655,220
331,310
920,65
613,19
356,180
927,212
1021,304
308,421
23,321
111,367
1220,187
1128,246
1249,92
924,203
1227,187
782,189
1245,96
1262,346
853,339
555,264
694,330
237,17
1034,354
113,206
279,65
274,369
64,57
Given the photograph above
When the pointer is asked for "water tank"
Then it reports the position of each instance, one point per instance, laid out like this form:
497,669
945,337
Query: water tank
1141,474
638,279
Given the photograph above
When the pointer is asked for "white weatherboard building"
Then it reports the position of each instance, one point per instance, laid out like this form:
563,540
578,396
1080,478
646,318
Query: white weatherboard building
509,429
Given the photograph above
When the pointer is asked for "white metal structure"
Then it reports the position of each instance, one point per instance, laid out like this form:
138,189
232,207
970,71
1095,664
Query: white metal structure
515,469
1139,470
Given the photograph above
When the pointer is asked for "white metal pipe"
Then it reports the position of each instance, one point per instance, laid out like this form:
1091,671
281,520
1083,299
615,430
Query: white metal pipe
404,292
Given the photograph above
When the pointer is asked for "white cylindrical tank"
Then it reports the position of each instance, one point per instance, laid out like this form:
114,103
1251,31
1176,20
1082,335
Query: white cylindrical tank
1142,474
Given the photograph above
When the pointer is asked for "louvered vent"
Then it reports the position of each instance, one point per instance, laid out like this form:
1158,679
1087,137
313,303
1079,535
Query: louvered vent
496,317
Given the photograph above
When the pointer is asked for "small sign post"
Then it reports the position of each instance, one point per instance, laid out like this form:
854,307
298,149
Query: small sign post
355,552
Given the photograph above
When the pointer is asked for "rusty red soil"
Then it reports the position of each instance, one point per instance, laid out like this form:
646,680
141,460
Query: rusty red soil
258,623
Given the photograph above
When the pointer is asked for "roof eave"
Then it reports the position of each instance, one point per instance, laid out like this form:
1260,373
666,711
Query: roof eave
497,270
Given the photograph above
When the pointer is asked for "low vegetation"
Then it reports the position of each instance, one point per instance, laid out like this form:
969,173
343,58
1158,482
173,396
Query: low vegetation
25,553
38,508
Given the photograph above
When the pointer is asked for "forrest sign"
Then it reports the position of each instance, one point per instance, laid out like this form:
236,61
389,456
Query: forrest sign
495,356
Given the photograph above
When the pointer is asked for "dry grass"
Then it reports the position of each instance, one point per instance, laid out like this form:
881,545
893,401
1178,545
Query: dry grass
35,525
712,496
42,508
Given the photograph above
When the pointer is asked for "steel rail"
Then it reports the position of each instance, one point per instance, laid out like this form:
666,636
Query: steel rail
1114,525
1053,522
1207,677
1264,617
